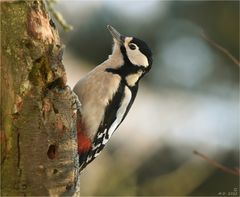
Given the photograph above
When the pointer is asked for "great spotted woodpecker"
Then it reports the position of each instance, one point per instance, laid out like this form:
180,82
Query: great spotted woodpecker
107,93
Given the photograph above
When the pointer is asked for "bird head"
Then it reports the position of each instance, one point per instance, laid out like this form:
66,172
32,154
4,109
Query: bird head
134,50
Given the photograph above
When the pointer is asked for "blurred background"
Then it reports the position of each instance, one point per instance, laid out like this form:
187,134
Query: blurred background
189,101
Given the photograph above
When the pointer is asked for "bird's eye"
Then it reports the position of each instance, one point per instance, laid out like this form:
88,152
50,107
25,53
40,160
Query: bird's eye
132,46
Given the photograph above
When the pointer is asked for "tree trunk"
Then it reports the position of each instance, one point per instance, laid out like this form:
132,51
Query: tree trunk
38,110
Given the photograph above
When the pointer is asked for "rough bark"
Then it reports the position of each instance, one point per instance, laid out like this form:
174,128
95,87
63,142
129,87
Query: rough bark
38,110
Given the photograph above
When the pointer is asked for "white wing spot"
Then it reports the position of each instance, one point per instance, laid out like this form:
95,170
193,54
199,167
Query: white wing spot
95,147
101,134
97,154
89,158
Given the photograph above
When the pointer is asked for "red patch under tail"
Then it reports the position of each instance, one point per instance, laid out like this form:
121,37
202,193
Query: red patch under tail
84,143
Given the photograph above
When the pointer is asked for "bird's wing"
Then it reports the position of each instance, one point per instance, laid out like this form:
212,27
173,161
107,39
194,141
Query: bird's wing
114,114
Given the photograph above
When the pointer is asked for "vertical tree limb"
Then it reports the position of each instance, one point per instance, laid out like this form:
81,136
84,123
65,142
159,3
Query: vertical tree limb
38,136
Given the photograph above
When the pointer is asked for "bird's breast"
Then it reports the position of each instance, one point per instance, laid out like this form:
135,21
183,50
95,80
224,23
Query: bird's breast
95,92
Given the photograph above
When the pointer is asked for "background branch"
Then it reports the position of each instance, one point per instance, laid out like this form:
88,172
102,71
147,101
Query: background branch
220,48
218,165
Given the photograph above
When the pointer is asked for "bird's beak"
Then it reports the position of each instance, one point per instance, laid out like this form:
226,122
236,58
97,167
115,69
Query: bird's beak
115,34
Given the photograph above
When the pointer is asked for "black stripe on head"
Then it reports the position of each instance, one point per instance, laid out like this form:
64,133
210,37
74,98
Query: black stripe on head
143,47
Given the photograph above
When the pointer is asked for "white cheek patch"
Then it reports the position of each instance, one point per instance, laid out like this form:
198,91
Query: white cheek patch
136,57
133,78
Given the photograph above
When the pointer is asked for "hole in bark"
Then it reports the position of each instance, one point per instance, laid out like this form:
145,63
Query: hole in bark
35,5
52,24
28,45
55,171
69,186
24,186
55,83
52,150
38,60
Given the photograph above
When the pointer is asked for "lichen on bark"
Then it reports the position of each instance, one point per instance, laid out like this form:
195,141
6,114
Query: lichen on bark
38,136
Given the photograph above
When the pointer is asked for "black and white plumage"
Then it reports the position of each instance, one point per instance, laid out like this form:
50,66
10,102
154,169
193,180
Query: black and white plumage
108,92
